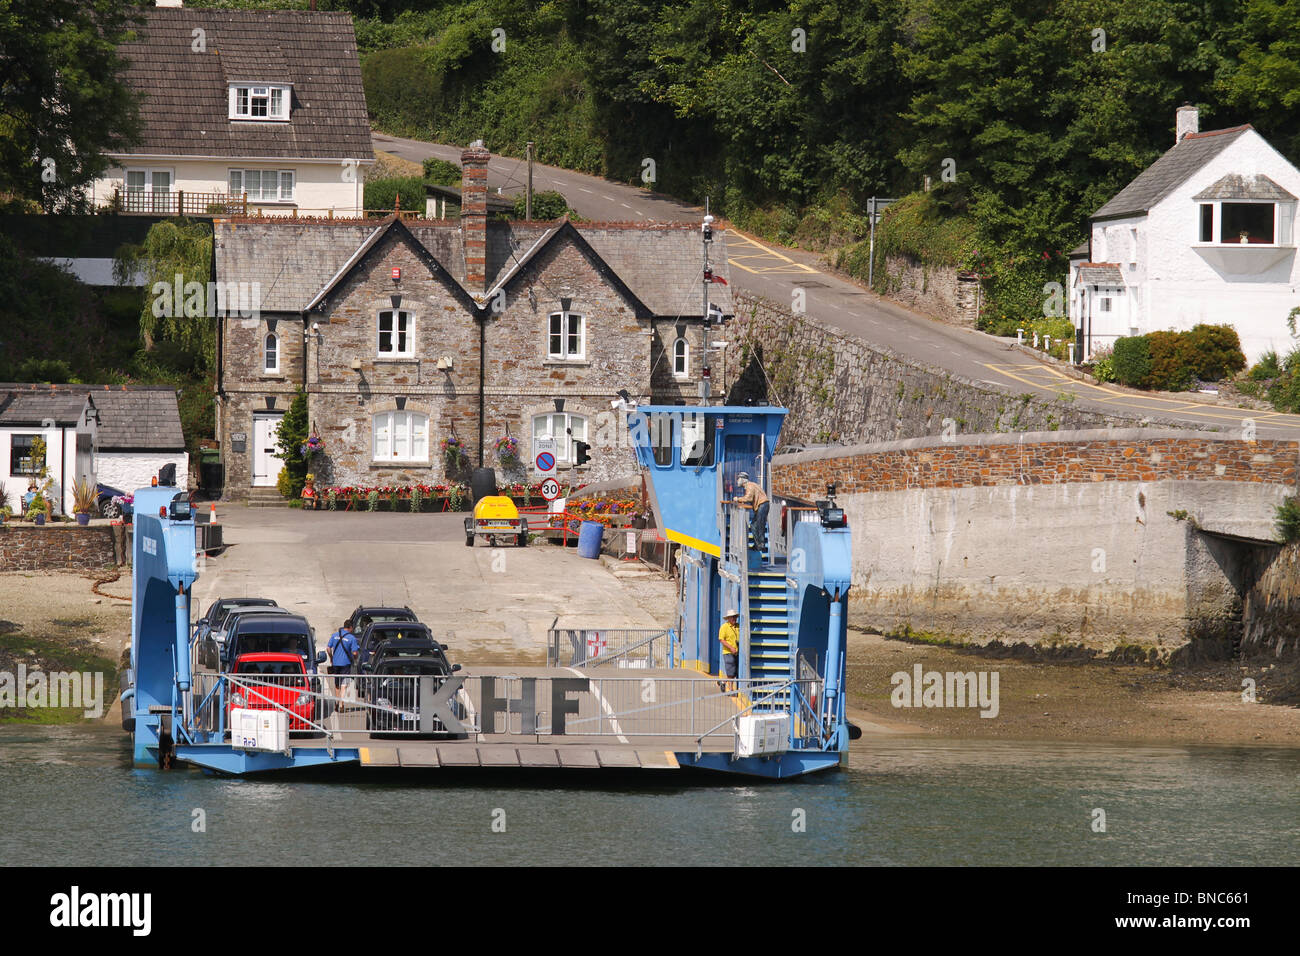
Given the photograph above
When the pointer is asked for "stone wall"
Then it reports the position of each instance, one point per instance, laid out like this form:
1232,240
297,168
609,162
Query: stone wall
55,547
940,291
1100,538
1271,609
840,388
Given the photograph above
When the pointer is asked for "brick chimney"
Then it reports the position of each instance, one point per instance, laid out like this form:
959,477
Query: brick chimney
473,215
1186,120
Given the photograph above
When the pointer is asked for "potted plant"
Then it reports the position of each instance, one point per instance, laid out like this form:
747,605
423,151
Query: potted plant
508,452
84,500
38,508
309,499
453,456
1244,237
5,510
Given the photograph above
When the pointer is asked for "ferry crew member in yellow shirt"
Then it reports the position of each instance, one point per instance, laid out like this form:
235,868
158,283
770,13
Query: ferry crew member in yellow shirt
729,638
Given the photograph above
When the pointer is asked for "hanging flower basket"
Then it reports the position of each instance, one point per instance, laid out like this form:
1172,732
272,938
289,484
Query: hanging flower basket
507,447
312,446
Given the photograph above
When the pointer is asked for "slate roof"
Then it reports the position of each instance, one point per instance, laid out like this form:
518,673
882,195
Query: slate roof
131,417
1236,186
1100,273
186,102
660,263
1169,172
495,203
1081,250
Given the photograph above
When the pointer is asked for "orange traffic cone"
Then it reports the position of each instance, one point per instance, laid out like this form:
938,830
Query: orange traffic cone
212,513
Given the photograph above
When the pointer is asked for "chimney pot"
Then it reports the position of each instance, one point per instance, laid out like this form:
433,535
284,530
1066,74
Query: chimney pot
1187,119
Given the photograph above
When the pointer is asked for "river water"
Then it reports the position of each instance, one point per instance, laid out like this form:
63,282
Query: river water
69,796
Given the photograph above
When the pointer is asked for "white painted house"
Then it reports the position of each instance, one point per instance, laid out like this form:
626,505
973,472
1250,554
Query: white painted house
1206,234
116,435
243,106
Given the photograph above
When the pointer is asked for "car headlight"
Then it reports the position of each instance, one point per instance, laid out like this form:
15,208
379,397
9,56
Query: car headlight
237,699
303,700
384,702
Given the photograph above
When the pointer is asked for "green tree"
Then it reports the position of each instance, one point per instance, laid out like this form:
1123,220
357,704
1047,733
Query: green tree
292,436
63,104
175,251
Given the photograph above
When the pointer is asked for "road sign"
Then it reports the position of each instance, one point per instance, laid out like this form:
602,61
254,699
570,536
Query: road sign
544,449
550,489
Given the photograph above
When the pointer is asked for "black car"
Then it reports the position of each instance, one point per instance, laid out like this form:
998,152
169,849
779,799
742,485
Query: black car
391,685
219,630
273,633
394,632
219,608
364,616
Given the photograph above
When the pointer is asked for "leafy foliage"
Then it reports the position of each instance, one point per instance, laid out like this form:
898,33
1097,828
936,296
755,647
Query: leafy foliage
1132,361
291,437
172,248
1173,361
547,204
63,104
383,194
442,172
1288,520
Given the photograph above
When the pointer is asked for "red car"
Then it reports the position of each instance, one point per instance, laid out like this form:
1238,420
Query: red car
284,686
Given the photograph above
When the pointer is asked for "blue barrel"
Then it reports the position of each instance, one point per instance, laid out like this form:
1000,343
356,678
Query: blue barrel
589,535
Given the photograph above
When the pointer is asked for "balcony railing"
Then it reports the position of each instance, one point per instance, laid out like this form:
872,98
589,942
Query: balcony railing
179,202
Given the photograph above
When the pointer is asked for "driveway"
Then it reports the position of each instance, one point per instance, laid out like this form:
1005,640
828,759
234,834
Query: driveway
491,605
773,271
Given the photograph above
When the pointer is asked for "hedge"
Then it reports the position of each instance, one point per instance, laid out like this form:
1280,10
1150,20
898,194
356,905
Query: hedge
1173,361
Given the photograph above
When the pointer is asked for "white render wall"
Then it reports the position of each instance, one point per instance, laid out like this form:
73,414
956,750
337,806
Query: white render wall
130,471
1182,282
319,186
16,485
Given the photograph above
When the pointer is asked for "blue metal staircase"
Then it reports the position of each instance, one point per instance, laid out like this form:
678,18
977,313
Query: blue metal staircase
769,630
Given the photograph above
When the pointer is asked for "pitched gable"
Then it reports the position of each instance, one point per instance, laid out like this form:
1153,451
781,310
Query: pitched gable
1170,171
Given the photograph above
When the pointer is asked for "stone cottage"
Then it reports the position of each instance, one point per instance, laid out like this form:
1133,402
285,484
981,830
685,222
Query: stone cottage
403,333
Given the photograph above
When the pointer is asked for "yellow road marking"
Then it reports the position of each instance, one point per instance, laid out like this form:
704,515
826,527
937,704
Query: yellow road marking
790,267
1114,397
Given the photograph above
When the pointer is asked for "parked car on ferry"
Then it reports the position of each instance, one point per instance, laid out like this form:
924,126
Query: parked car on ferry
219,608
391,683
394,632
364,616
220,632
284,687
274,633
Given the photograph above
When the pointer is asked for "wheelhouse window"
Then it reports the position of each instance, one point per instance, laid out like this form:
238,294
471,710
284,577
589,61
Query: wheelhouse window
566,338
698,433
395,333
1251,222
565,428
271,353
263,185
681,358
401,436
259,102
22,457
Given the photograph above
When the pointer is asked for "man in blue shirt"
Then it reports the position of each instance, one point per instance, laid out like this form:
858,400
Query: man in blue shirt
343,648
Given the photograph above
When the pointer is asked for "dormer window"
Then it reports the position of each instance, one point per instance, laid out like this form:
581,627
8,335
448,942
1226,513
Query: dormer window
252,101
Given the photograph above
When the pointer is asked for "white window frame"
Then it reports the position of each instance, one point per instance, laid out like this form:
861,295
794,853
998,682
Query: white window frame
243,97
566,333
409,332
237,182
271,345
563,441
147,201
685,370
400,436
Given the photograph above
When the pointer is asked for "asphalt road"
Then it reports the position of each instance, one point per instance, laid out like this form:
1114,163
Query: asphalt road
775,272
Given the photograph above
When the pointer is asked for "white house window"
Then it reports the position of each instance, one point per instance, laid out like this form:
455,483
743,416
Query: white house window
22,460
1207,222
271,353
395,333
567,336
1105,304
263,185
681,358
1251,220
148,190
565,428
401,436
259,102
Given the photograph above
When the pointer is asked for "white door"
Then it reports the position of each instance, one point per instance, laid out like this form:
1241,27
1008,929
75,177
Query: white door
266,467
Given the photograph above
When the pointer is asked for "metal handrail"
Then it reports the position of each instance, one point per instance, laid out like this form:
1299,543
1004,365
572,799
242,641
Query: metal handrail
772,695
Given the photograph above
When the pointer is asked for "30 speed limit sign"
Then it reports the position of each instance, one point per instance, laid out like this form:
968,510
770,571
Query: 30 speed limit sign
550,489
